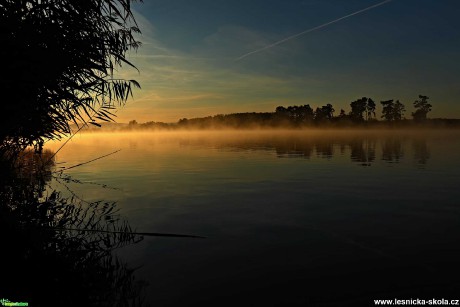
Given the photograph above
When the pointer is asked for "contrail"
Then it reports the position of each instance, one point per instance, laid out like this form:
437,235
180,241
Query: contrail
312,29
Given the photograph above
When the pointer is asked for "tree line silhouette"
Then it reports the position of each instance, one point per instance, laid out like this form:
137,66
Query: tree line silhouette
363,112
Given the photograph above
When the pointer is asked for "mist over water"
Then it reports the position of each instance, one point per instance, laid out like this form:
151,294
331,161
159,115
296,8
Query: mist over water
291,217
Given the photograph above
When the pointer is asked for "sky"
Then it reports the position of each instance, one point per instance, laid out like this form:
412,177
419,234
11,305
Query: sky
208,57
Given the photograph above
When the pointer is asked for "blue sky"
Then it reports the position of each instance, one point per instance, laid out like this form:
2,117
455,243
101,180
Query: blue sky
189,68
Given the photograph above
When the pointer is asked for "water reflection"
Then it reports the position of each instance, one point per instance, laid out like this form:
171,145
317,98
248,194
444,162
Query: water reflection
324,148
58,251
392,150
421,151
292,148
292,218
363,149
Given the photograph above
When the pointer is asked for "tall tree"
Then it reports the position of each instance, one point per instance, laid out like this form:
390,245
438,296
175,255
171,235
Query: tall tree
296,114
324,113
392,111
328,110
387,110
360,107
422,108
370,109
398,111
280,110
301,114
59,61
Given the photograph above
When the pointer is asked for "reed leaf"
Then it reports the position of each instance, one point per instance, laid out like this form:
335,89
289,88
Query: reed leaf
61,57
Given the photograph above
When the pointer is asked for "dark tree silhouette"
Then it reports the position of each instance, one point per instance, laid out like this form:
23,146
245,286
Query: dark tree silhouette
398,111
422,108
296,114
302,113
370,109
387,109
319,114
281,110
59,58
329,110
392,111
324,113
360,107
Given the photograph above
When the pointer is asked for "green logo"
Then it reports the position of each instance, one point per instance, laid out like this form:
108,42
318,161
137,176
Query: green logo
6,302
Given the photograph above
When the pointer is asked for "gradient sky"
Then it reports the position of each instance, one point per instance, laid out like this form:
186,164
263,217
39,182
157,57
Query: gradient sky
189,68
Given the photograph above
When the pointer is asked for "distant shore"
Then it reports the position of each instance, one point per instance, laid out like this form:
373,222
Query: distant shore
211,123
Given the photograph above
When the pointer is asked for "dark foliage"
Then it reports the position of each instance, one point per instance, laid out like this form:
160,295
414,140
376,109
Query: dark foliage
422,108
58,64
324,113
392,111
296,114
362,107
235,120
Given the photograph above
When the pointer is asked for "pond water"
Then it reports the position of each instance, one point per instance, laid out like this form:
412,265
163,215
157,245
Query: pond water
315,218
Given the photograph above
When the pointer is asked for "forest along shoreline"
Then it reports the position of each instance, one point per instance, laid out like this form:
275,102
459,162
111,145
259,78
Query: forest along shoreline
361,116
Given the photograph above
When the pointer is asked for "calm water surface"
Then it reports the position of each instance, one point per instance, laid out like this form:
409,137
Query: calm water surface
319,218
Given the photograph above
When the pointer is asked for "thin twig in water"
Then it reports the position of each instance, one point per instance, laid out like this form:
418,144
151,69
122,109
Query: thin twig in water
70,137
83,163
71,192
68,178
148,234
